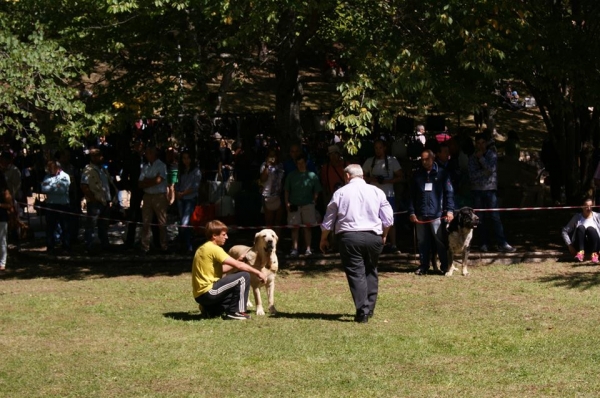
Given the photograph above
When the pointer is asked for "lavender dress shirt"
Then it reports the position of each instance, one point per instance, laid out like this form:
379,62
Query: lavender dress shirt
358,206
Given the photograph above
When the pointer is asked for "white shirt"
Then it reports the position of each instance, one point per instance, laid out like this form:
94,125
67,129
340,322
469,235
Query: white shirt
377,168
358,206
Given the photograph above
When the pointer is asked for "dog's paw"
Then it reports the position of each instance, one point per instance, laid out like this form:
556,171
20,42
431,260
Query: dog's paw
249,304
465,273
449,273
260,311
272,310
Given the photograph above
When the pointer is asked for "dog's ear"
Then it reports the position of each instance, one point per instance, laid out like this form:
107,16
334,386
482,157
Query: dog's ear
256,238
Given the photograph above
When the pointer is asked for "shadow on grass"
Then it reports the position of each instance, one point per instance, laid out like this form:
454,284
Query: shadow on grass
580,280
313,315
194,316
79,268
184,316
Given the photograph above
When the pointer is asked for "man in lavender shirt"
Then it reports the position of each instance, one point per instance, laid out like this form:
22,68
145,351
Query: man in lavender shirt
360,216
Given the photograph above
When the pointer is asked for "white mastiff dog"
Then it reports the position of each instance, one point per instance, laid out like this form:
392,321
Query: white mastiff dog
262,256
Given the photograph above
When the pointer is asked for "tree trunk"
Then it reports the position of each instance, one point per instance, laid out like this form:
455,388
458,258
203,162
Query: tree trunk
288,98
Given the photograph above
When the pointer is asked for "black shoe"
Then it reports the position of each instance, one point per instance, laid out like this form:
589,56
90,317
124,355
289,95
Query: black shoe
362,318
420,272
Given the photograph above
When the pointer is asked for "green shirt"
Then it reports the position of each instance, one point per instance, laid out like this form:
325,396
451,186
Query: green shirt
302,187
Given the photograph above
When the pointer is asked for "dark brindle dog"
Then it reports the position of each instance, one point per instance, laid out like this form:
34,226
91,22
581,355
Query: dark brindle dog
458,238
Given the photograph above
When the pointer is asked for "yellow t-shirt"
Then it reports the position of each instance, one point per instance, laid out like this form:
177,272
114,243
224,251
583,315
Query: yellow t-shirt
207,267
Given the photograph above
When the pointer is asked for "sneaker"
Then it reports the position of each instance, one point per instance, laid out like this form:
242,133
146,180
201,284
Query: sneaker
595,258
237,316
483,249
506,248
294,253
579,256
308,253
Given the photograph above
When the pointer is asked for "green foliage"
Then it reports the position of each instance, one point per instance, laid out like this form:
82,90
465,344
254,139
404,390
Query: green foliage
36,98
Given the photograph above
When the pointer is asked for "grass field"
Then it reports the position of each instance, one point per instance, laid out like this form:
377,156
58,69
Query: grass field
525,330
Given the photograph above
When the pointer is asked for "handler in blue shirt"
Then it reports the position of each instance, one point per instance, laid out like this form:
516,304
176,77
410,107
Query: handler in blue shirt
361,217
431,195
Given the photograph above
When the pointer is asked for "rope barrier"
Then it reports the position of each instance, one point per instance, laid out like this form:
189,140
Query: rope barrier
287,226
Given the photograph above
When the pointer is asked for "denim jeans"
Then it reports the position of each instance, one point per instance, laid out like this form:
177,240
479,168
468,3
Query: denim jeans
58,215
186,208
3,245
428,237
488,200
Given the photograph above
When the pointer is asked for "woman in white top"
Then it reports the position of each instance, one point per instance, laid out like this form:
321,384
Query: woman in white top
582,233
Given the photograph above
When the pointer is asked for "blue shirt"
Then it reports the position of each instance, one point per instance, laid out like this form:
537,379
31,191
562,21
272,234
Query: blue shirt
358,206
151,171
483,171
190,180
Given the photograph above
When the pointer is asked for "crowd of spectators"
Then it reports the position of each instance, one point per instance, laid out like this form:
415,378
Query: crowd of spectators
89,185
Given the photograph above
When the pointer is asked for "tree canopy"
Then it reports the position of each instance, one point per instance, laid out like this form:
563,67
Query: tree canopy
148,57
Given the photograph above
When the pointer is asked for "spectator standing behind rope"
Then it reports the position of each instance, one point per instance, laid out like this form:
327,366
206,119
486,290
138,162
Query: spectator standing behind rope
186,192
132,169
6,207
302,188
431,195
360,216
215,292
153,180
582,233
383,171
95,185
56,186
483,172
271,177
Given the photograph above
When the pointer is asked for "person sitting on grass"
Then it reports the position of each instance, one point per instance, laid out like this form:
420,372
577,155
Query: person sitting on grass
582,233
215,292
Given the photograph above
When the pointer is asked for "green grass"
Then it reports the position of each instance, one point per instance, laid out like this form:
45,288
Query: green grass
504,331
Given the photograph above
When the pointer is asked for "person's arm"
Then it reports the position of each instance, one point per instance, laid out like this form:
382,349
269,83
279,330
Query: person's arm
151,181
398,176
385,233
449,199
230,263
7,204
324,242
566,232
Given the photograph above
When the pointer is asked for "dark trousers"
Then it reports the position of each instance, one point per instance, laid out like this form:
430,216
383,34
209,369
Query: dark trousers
58,215
488,200
360,252
228,294
586,239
